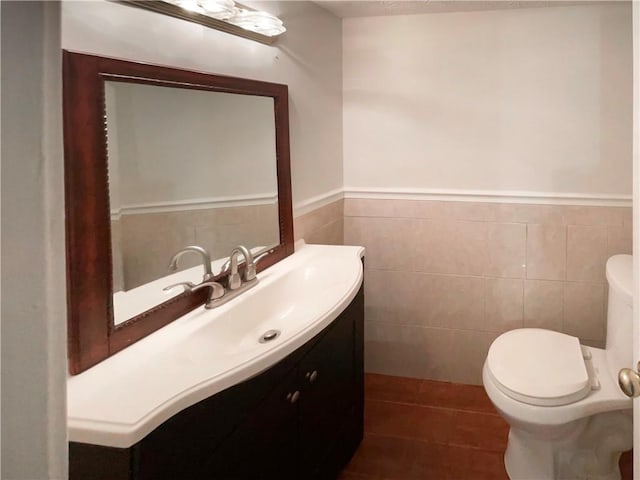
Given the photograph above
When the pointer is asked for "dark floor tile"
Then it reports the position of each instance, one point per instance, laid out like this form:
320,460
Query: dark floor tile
381,456
457,396
451,433
436,461
485,465
452,462
479,430
408,421
346,475
393,389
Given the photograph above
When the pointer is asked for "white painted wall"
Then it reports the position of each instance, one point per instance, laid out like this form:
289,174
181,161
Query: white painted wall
34,336
307,58
520,100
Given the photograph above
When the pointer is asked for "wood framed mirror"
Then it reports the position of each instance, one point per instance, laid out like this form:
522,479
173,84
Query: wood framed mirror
156,159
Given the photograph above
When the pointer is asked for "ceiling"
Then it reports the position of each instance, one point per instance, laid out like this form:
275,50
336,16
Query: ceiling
370,8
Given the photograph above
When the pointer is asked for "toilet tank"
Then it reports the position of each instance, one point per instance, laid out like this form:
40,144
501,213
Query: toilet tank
619,347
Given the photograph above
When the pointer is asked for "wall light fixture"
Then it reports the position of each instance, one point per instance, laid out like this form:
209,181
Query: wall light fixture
225,15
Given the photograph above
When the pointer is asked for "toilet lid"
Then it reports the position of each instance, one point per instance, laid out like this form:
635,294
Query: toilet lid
539,367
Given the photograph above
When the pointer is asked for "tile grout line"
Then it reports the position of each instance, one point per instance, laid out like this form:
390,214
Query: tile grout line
436,407
564,290
443,443
526,276
480,276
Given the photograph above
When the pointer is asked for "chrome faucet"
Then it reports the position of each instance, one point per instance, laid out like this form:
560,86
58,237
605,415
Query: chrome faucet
206,260
236,284
250,270
234,280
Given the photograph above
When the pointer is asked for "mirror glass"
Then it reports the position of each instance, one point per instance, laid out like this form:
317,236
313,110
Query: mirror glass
186,167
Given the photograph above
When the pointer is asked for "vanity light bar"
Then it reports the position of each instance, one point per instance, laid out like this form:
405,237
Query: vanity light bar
224,15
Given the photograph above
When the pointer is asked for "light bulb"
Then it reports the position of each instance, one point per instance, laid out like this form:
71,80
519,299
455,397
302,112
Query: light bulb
259,22
219,9
190,5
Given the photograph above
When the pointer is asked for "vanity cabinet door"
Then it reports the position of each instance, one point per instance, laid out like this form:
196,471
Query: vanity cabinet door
327,375
264,446
94,462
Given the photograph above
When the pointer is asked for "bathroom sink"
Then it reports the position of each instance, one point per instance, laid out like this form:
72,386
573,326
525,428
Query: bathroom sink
283,305
120,400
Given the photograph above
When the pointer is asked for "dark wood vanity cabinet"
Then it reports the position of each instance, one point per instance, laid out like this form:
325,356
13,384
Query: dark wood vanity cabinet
302,419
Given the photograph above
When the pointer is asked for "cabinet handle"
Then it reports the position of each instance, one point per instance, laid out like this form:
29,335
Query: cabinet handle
293,397
311,376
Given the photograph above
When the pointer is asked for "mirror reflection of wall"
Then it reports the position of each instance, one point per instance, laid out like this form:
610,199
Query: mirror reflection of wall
187,167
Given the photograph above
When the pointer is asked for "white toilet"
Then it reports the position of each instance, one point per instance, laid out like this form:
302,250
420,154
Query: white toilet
568,417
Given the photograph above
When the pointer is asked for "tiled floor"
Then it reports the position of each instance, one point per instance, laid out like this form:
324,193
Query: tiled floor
422,429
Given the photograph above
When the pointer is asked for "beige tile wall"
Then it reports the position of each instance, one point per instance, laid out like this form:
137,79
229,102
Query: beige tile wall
323,225
149,240
444,279
143,244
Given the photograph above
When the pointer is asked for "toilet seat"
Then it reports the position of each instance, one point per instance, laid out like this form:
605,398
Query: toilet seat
538,367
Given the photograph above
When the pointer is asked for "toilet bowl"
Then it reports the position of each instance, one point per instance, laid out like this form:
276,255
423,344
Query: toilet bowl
568,418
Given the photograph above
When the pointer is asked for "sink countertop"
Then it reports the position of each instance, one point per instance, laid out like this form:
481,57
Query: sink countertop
119,401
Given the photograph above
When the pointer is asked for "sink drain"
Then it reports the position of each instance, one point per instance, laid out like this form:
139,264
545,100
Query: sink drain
270,335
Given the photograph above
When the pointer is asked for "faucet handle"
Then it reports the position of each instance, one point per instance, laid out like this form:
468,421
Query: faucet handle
216,292
188,286
233,281
247,257
250,271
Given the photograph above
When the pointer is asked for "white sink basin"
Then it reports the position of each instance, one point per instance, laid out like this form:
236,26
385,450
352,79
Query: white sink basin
119,401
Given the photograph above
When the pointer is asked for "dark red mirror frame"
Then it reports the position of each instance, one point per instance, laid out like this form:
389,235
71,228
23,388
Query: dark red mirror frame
92,336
